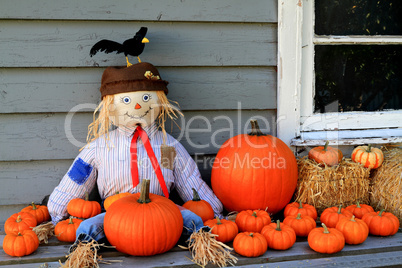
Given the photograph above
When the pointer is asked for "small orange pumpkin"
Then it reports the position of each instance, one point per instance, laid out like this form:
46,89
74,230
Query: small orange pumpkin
250,244
360,209
112,198
381,223
200,207
326,240
331,216
279,236
66,230
325,155
368,156
295,208
225,229
40,212
83,208
302,225
20,244
354,230
18,222
252,221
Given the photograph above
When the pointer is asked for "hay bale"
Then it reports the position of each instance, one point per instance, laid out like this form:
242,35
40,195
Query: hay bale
386,185
324,186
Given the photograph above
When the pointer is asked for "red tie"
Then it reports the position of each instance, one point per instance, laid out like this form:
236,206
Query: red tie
154,161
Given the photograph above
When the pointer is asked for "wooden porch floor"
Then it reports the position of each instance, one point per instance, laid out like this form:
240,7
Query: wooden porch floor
374,252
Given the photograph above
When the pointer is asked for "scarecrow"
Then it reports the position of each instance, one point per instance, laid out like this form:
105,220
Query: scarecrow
127,142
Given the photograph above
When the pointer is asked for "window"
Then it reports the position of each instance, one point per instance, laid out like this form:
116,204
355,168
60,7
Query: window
339,71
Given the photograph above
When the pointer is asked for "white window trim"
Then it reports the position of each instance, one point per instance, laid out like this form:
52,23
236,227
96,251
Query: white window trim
296,123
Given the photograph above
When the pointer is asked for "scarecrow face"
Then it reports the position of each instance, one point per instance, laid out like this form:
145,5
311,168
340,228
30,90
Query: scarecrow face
133,108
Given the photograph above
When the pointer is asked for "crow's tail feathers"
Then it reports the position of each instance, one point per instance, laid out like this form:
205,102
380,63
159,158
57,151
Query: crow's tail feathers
106,46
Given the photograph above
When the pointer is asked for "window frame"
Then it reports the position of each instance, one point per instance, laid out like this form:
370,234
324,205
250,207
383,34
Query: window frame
297,124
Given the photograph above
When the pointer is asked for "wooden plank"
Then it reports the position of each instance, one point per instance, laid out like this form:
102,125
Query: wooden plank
38,90
158,10
45,136
67,43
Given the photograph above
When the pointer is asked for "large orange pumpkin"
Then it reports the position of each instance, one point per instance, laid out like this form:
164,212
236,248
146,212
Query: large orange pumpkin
254,171
143,224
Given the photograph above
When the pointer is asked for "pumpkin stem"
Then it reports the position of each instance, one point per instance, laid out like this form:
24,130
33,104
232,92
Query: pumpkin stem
86,196
326,145
278,225
251,234
326,231
358,204
117,192
300,204
255,129
144,196
33,206
340,209
381,211
19,234
18,219
196,196
369,148
254,214
71,220
298,216
218,221
353,218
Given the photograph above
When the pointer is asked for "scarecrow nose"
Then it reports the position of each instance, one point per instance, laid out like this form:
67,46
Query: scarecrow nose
137,106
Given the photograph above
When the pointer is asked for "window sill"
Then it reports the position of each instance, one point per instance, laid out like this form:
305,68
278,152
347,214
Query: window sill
395,141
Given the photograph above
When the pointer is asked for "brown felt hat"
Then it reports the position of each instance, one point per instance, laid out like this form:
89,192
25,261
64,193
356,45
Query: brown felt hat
138,77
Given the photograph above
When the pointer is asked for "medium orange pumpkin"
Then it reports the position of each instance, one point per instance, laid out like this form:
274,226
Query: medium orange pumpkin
325,155
200,207
279,236
143,224
354,230
40,212
112,198
250,168
331,216
83,208
302,225
381,223
250,244
20,244
326,240
225,229
368,156
360,209
18,222
252,221
66,230
295,208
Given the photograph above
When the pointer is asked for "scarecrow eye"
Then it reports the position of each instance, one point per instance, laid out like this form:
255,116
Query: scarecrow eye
146,97
126,100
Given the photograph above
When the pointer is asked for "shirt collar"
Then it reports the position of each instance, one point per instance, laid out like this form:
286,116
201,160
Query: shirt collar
129,131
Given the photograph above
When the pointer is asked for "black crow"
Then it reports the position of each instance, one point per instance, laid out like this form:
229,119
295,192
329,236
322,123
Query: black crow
132,47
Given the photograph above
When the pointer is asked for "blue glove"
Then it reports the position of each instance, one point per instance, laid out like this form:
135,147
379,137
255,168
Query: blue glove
191,222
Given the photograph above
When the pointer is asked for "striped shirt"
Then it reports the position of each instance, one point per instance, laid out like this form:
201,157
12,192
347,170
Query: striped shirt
107,164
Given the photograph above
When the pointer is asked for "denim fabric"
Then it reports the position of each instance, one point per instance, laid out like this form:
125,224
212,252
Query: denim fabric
91,229
191,222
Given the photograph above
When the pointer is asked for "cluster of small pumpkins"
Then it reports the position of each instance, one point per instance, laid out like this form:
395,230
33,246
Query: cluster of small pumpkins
368,156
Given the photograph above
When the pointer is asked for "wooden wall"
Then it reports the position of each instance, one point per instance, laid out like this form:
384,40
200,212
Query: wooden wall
219,56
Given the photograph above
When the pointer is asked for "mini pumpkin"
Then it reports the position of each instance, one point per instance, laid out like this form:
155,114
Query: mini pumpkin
360,209
19,221
368,156
66,230
279,236
354,230
302,225
200,207
250,244
295,208
225,229
326,240
83,208
111,199
252,221
331,216
20,244
327,155
40,212
381,223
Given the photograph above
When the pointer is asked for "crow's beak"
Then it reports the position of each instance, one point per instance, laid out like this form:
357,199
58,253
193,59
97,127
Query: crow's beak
145,40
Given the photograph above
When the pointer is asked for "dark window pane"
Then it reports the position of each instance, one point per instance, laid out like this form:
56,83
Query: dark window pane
358,17
358,78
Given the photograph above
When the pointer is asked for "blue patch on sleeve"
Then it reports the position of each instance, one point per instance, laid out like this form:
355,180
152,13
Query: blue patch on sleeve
80,171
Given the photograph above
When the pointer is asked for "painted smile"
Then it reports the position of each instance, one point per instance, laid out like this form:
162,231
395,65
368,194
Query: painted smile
140,116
